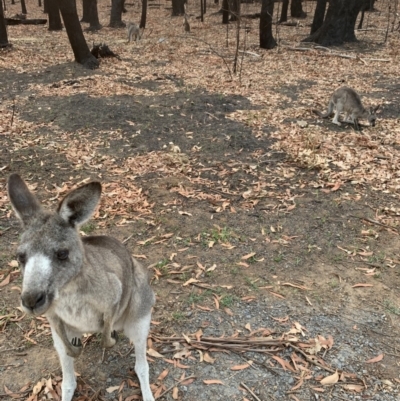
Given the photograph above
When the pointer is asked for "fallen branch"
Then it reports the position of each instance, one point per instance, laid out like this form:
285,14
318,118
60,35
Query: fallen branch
251,392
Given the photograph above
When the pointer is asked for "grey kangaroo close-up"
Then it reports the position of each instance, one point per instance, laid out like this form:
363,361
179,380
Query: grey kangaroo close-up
346,100
82,285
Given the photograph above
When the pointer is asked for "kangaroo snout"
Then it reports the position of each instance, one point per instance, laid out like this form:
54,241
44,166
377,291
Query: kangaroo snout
33,301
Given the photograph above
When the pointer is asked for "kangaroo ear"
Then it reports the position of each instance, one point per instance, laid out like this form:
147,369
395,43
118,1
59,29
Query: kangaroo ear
78,206
23,201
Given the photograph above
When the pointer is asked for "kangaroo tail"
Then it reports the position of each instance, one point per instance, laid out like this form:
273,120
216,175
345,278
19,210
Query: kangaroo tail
328,113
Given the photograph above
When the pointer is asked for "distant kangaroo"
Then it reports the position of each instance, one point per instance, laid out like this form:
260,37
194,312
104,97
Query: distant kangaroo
346,100
133,31
82,285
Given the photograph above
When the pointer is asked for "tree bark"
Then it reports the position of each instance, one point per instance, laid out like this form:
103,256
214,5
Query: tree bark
54,16
46,6
116,14
23,7
85,11
225,11
319,15
267,41
235,10
285,6
178,7
75,35
93,15
144,15
3,29
296,9
339,23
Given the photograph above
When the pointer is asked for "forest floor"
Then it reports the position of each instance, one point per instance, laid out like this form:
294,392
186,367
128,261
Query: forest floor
271,236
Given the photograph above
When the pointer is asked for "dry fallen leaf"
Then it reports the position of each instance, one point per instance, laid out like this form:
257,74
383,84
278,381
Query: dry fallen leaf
332,379
213,381
376,359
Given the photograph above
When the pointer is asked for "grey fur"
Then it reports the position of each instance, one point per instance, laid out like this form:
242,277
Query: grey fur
346,100
82,285
133,30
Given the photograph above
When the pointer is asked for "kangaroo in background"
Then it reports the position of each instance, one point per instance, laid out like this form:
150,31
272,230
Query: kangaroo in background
346,100
133,30
82,285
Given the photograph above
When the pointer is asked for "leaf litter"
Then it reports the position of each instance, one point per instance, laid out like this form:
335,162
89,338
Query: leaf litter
333,155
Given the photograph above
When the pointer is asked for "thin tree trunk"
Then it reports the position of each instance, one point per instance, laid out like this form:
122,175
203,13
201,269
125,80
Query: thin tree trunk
116,14
85,11
267,41
225,11
75,35
23,7
144,15
285,6
54,16
3,29
178,7
40,3
296,9
201,11
319,15
235,10
93,16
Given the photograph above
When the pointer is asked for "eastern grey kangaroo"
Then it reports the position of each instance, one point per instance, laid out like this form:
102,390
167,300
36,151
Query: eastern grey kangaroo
82,285
133,30
346,100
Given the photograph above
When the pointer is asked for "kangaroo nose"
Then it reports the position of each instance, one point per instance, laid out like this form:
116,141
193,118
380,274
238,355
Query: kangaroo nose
33,300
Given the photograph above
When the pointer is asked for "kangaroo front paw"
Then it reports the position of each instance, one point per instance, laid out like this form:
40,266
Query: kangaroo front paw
108,342
75,348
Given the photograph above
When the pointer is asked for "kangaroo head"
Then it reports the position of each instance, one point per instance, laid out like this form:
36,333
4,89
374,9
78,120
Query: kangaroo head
372,115
50,251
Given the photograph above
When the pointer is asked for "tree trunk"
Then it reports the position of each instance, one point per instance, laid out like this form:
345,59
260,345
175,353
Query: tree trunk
75,35
201,11
23,7
225,11
85,11
3,29
205,6
235,10
116,14
178,7
267,41
285,6
339,23
296,9
93,15
54,16
40,3
144,15
319,15
46,6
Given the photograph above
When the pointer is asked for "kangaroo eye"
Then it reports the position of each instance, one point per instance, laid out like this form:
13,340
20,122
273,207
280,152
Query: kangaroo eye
62,254
21,258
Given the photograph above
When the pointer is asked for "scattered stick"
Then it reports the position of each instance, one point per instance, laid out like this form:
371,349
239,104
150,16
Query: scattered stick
169,389
374,222
249,390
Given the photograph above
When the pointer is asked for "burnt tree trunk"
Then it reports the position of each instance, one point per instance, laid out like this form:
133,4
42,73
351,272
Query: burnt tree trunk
235,10
178,7
75,35
93,15
144,15
267,41
285,6
3,29
201,11
296,9
339,23
116,14
46,6
85,11
225,11
54,16
319,15
23,7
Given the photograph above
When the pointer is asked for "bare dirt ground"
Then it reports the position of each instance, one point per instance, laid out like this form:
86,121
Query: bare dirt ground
271,236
